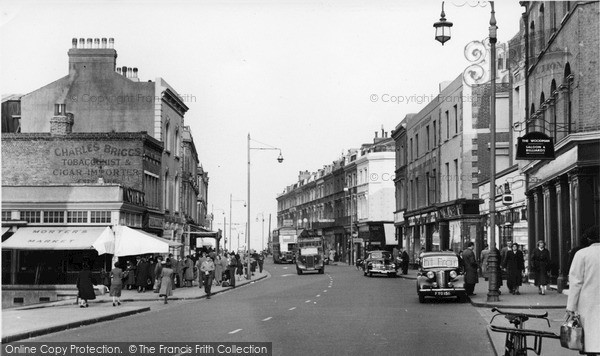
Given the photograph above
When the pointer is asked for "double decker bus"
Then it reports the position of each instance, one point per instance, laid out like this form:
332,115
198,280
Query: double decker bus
284,244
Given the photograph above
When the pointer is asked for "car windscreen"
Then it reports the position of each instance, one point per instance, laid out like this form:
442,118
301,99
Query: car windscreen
380,255
440,262
309,251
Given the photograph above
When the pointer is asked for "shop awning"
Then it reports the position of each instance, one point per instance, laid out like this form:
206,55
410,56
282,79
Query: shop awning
62,238
130,242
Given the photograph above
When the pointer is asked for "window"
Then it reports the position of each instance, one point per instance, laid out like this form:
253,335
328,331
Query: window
6,214
428,135
447,124
131,219
31,216
100,217
542,24
54,217
427,195
176,142
456,118
434,186
151,189
176,193
447,178
167,137
77,216
417,145
411,150
434,134
456,178
417,202
166,192
532,39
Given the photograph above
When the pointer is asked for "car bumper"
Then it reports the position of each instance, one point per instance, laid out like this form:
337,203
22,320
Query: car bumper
381,271
442,292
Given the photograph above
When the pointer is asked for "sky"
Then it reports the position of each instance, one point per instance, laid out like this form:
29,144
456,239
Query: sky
312,77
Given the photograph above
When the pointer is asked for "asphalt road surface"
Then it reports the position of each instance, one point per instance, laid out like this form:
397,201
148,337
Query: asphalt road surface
340,312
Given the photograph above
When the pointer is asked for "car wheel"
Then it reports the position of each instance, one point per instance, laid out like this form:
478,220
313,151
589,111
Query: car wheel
370,274
462,298
421,298
322,270
299,271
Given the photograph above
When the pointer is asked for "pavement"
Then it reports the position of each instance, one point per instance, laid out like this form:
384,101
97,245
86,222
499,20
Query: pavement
40,319
529,301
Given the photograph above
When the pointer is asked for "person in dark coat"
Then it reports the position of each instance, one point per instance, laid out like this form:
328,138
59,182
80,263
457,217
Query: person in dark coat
470,264
540,263
239,265
405,260
232,267
85,286
116,285
142,275
514,264
129,275
166,284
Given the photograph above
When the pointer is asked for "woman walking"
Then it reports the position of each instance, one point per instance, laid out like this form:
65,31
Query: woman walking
129,275
166,281
116,284
540,262
188,271
85,286
239,266
514,265
218,270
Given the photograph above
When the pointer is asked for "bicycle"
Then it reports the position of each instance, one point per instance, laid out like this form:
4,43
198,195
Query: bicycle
516,338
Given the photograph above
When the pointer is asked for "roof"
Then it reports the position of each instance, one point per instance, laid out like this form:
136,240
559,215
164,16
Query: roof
10,97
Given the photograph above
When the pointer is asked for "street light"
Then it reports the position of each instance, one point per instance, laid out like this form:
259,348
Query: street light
494,253
347,190
262,238
280,160
231,200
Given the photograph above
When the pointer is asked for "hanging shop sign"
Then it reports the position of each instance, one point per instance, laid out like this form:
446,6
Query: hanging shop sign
535,145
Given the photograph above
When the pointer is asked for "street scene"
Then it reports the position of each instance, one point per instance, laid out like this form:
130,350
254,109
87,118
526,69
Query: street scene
291,178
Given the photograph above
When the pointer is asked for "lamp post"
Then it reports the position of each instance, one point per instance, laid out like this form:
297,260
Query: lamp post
443,36
347,190
231,200
280,160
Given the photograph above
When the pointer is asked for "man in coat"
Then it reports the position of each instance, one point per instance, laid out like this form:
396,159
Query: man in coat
470,262
584,284
405,259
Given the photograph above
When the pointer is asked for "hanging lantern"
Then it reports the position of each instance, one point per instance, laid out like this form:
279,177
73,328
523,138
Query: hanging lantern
442,28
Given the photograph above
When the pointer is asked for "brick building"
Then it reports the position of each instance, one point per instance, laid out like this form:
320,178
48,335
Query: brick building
562,41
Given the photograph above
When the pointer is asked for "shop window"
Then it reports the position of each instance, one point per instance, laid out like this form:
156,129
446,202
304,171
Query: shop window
100,217
31,216
54,217
6,215
77,216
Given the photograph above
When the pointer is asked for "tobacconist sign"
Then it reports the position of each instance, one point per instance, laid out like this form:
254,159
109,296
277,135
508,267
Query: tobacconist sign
535,145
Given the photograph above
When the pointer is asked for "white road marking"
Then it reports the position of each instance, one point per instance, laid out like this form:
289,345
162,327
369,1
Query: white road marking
308,301
235,331
285,275
269,318
292,308
318,295
325,291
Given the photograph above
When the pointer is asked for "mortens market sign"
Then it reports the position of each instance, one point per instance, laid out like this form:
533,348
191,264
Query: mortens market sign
535,145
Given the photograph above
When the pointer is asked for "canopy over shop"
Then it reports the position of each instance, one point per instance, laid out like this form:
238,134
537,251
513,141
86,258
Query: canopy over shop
54,255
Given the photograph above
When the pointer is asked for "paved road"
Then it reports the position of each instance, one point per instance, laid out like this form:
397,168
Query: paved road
339,313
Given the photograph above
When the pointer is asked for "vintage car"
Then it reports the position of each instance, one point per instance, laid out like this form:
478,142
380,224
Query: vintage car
310,259
440,276
379,262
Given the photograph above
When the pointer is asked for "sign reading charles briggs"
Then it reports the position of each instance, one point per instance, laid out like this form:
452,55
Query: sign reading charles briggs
535,145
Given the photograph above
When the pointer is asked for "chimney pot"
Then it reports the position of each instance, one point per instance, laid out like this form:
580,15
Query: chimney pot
135,72
124,71
96,43
111,43
375,134
82,43
129,72
104,42
74,42
119,70
89,43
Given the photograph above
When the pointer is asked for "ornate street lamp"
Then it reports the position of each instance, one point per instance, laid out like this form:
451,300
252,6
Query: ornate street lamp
493,259
442,28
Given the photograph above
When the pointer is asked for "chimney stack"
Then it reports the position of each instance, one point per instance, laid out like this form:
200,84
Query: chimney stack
111,43
92,55
62,122
119,70
375,134
125,71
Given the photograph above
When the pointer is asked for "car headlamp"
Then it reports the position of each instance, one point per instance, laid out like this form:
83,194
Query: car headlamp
453,274
430,275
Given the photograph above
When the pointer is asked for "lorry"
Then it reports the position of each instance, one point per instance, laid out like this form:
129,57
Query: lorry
310,255
284,245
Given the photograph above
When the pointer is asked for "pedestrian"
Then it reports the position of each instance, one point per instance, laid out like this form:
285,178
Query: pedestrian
540,262
129,275
207,270
331,256
584,284
218,270
142,277
166,281
232,267
470,265
483,260
173,262
188,271
514,264
239,266
85,286
261,261
199,263
405,260
157,269
116,285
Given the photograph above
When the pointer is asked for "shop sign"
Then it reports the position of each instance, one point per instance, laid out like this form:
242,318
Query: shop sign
535,145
